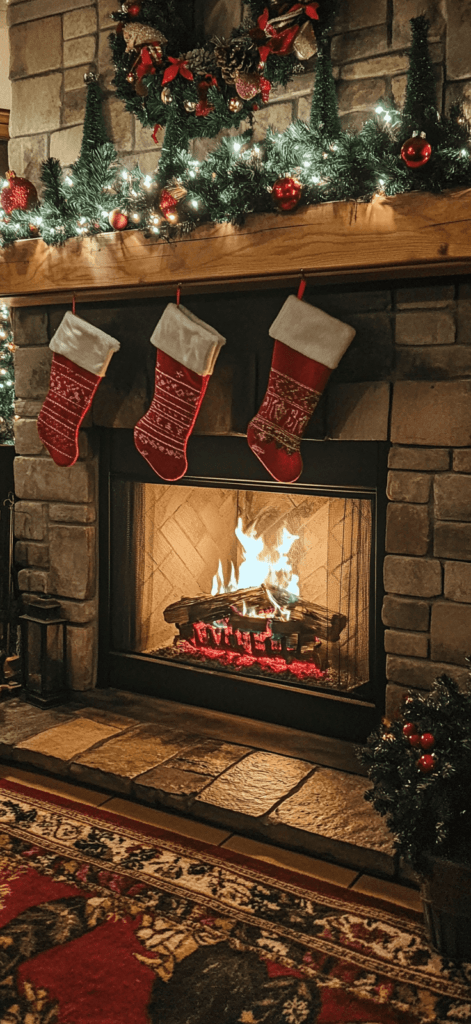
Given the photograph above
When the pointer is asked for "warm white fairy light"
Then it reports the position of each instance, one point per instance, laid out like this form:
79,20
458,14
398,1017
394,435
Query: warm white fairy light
147,181
237,146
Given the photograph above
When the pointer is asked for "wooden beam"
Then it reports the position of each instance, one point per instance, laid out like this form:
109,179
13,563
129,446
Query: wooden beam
404,236
4,123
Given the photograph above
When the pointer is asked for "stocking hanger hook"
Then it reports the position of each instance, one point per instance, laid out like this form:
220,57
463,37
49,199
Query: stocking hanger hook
179,292
302,285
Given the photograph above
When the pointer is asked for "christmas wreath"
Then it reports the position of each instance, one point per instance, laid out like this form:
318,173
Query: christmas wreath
169,77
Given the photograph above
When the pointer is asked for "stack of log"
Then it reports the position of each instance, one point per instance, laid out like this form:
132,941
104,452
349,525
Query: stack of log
278,623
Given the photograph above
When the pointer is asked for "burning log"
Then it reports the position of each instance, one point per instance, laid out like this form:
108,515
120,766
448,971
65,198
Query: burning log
310,620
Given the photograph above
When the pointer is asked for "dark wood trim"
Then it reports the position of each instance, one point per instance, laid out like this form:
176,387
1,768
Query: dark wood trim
4,125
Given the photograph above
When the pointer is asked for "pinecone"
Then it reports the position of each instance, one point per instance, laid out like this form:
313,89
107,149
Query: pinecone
236,57
201,62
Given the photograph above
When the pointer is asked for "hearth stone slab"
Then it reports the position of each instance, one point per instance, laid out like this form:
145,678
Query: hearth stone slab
53,749
331,805
254,785
117,762
210,757
169,786
18,721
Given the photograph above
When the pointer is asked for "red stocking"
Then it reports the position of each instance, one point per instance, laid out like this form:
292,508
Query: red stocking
186,356
81,356
309,345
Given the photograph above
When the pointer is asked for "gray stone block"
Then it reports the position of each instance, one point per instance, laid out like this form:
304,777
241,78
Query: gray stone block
254,785
72,513
30,520
421,674
32,554
450,632
424,327
30,325
432,413
428,459
453,540
414,645
365,42
81,22
32,369
36,104
462,461
412,577
402,613
458,49
407,529
79,51
358,412
434,362
458,581
32,52
82,652
410,487
48,482
452,494
27,440
73,572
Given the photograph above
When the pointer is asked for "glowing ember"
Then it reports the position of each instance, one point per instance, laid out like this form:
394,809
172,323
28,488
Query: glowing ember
300,670
260,566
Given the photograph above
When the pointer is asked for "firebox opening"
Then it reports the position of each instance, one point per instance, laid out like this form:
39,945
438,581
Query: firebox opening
264,584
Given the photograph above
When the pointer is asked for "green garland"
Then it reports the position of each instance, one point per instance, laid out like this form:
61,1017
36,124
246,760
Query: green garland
237,178
167,76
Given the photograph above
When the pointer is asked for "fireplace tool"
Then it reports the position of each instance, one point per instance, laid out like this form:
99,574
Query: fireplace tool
10,663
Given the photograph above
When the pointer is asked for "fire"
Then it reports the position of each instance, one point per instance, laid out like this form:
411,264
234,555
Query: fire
259,566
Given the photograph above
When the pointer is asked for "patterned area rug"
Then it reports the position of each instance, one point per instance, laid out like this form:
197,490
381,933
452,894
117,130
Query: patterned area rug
106,922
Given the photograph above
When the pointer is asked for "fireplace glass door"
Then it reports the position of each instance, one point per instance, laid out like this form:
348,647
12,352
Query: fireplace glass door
267,584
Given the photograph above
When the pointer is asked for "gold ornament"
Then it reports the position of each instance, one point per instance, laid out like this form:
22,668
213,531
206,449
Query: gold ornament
305,44
235,104
190,106
131,78
166,95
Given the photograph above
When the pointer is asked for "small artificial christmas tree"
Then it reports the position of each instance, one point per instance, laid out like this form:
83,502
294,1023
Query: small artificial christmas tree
419,767
7,377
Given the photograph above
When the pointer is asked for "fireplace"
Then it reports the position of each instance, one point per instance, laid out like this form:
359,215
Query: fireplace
230,592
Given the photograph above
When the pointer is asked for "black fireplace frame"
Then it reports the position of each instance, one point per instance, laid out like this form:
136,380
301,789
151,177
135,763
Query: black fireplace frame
332,468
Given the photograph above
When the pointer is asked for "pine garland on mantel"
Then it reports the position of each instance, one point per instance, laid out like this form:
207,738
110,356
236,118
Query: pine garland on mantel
309,163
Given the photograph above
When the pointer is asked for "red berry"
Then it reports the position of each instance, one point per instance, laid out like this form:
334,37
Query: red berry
409,729
414,740
427,741
426,764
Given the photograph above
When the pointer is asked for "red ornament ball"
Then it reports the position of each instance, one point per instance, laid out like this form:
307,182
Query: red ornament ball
409,729
18,194
416,152
287,193
118,220
134,10
414,740
427,741
426,764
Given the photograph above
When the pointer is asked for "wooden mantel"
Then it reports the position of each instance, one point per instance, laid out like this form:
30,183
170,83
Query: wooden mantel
406,236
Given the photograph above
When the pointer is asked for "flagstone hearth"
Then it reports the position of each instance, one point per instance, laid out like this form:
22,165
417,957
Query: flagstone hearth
265,782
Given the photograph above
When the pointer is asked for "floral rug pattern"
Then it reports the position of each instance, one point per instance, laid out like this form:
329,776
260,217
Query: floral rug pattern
103,922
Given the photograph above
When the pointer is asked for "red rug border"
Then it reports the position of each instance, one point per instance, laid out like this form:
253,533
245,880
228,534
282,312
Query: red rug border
262,867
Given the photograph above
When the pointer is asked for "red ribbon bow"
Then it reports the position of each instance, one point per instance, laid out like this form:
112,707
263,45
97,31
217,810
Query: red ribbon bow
177,67
280,42
309,9
146,64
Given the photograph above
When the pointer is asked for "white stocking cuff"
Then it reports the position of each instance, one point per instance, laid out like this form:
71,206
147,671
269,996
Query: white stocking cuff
181,335
84,344
312,332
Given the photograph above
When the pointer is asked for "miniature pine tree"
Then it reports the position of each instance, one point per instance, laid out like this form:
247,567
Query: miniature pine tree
420,110
324,109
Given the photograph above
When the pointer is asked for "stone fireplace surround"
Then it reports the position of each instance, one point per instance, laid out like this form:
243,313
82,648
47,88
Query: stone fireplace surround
406,379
